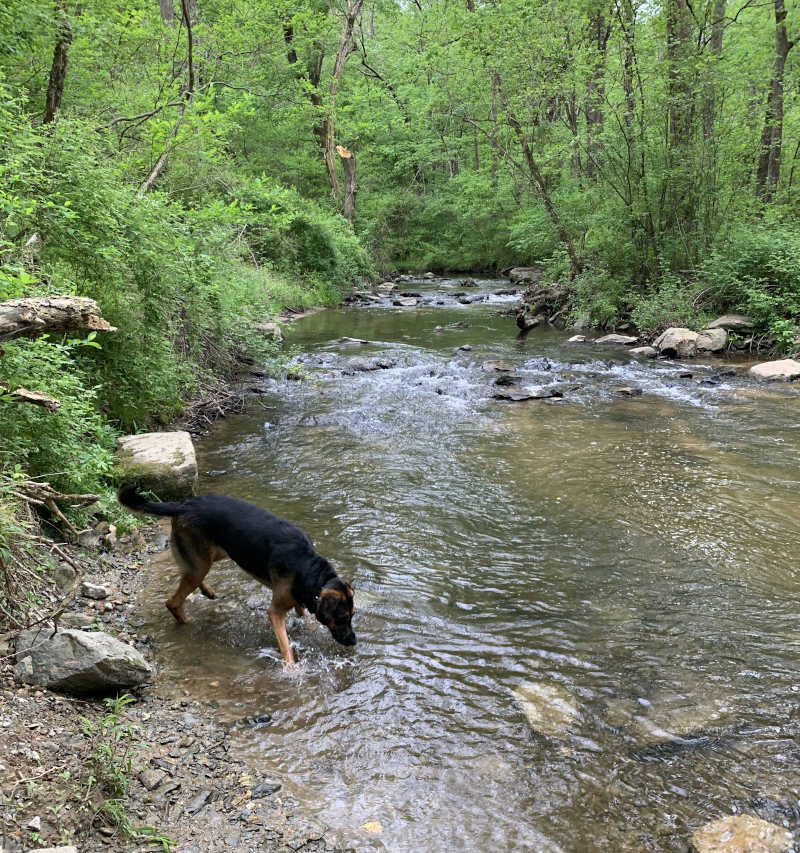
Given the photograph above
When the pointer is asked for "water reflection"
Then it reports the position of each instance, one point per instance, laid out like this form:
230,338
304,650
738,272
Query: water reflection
634,557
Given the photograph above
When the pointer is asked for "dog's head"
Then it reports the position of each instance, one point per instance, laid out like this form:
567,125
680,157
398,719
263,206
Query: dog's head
335,610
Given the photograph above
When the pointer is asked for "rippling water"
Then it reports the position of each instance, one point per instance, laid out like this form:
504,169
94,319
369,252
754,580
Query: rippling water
636,557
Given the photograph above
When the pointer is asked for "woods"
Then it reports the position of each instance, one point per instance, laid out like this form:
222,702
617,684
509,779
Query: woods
192,166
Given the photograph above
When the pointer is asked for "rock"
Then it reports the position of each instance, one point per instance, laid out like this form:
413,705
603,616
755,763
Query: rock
732,322
466,347
677,343
532,393
623,340
429,276
109,541
629,392
465,300
712,340
386,286
64,576
265,789
197,803
405,302
34,825
507,291
271,330
373,827
93,590
785,368
56,850
468,282
549,707
499,366
88,539
352,341
538,303
647,352
526,275
152,778
577,339
364,365
161,462
685,374
79,662
741,834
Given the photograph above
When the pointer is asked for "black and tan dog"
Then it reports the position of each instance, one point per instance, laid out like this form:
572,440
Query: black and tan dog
274,551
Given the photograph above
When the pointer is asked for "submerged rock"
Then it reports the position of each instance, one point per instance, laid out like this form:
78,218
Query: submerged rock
550,708
785,368
364,365
79,662
741,834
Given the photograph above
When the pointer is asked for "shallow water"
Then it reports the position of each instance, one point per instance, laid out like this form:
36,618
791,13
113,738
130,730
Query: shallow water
638,556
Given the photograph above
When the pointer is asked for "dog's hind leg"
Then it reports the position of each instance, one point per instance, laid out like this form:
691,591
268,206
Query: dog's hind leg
194,556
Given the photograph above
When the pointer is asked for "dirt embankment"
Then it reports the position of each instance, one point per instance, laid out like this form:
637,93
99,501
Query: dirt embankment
183,782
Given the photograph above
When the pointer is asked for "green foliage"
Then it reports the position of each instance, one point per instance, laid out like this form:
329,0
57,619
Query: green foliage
756,271
110,766
672,302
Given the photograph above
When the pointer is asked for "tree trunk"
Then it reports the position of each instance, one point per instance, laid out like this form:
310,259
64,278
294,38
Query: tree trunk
350,183
679,92
769,160
167,13
540,184
353,8
715,45
493,129
595,90
58,70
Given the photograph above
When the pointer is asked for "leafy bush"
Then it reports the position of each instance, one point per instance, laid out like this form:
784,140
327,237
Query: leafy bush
672,302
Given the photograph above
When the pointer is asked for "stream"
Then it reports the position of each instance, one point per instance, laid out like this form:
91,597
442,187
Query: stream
626,564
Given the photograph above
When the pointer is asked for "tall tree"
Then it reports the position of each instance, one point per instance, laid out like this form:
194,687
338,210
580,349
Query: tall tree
58,68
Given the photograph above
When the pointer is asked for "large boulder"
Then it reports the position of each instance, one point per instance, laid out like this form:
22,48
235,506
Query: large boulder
79,662
741,834
785,368
677,343
732,323
525,275
712,340
160,462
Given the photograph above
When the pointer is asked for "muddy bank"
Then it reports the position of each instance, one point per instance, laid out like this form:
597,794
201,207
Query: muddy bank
184,781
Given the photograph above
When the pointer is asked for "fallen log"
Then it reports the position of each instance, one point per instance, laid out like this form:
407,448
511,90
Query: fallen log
23,395
30,318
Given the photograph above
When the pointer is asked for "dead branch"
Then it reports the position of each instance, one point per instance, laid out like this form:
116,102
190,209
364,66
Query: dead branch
23,395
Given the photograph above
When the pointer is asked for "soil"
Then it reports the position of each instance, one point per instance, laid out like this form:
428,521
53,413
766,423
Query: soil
183,782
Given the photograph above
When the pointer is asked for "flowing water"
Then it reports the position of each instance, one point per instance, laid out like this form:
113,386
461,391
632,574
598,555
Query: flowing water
630,561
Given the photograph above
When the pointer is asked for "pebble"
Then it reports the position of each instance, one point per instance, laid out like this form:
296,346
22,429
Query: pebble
265,789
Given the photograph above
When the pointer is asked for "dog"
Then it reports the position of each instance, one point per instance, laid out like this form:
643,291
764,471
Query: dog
274,551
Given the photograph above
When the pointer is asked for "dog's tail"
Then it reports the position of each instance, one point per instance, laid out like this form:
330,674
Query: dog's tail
129,497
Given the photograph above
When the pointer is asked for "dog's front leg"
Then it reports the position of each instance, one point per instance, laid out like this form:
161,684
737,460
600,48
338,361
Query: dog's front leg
277,619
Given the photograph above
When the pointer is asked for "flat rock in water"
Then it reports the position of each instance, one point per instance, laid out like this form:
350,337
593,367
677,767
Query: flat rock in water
577,339
629,392
79,662
785,368
499,366
624,340
647,352
531,393
352,341
732,322
405,302
741,834
550,708
160,462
